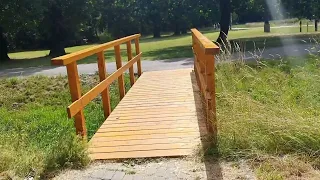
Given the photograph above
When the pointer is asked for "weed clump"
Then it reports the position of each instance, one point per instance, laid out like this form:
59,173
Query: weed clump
269,108
36,137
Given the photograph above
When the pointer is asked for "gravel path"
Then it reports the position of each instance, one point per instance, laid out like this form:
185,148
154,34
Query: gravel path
168,64
161,169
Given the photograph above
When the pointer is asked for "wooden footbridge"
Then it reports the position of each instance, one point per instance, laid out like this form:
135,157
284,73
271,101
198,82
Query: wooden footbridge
165,113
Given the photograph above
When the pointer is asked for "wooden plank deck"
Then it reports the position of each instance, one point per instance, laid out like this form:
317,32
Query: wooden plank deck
160,116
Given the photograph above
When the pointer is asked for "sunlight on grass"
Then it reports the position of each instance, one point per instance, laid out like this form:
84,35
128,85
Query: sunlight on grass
167,47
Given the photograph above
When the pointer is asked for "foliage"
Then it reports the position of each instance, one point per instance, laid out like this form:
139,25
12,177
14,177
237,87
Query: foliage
56,24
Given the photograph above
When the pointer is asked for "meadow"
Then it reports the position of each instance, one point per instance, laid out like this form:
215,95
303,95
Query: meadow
36,137
168,46
268,114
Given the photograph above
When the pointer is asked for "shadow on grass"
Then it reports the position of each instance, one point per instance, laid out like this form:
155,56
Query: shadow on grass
24,63
170,53
165,38
274,41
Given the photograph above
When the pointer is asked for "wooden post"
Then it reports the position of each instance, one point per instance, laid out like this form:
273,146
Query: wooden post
138,52
102,76
201,64
75,90
119,65
131,71
211,94
307,26
196,64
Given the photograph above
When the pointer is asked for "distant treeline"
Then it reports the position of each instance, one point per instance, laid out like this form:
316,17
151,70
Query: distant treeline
55,24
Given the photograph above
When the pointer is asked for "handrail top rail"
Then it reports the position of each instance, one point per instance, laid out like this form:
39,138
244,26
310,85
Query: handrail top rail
72,57
208,46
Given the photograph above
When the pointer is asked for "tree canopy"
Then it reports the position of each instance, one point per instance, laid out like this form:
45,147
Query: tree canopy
55,24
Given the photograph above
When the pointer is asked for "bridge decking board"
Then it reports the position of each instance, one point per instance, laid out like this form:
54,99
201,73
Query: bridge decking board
160,116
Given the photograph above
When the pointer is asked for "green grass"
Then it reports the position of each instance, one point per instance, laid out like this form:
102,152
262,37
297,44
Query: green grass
36,137
269,111
166,47
285,22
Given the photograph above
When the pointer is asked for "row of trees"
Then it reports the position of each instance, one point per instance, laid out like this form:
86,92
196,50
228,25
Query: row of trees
256,10
55,24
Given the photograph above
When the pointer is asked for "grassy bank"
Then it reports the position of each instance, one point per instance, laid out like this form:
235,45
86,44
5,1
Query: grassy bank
269,114
36,138
169,46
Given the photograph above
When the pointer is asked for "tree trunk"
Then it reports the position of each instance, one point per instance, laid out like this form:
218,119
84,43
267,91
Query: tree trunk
156,31
58,32
57,49
176,29
225,8
184,31
267,26
316,25
3,47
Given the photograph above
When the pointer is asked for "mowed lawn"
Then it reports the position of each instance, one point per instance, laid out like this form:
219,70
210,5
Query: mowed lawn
166,47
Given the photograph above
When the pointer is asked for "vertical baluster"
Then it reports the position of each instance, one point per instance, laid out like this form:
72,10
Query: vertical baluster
138,52
119,65
102,76
131,71
75,90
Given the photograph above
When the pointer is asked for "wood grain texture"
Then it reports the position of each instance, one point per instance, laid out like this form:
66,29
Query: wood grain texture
204,52
122,90
131,69
73,57
137,45
208,46
160,116
75,90
102,76
78,105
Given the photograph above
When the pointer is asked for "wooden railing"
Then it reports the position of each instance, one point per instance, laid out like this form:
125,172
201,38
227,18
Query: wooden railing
204,66
80,101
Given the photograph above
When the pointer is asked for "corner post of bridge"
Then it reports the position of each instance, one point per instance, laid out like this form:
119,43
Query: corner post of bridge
211,93
75,90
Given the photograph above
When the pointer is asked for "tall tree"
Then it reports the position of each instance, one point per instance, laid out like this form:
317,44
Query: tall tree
225,9
178,16
155,13
15,16
3,47
62,20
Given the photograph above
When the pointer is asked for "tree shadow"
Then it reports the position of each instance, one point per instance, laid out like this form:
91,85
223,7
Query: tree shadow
164,38
212,164
25,63
171,52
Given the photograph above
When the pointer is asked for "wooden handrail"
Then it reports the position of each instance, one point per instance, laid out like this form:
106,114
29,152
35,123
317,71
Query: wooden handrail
206,45
204,66
79,102
78,105
69,58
